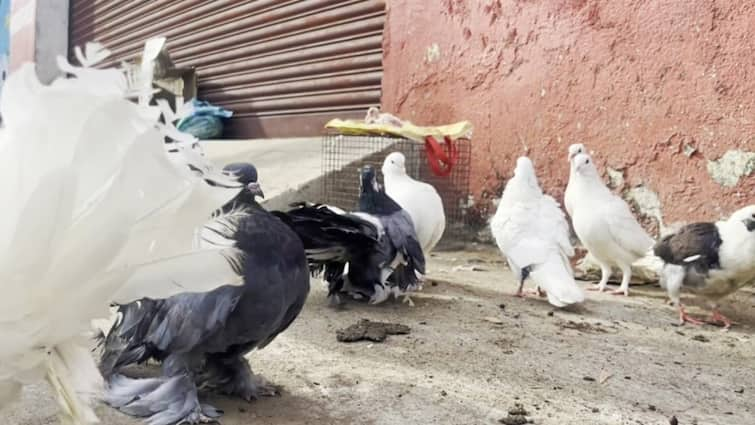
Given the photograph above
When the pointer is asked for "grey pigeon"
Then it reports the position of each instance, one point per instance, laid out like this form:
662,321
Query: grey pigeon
202,338
368,254
711,260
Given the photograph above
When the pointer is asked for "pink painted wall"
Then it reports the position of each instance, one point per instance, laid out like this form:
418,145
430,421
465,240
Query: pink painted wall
635,80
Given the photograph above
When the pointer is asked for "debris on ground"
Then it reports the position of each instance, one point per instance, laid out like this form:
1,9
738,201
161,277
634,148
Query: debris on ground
517,415
606,376
468,268
518,409
368,330
493,320
507,345
582,326
673,421
700,338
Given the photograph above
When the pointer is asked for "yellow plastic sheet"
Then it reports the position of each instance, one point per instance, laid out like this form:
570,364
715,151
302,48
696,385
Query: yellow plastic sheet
462,129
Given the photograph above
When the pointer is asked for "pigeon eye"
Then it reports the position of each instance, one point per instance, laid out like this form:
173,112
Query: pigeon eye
587,161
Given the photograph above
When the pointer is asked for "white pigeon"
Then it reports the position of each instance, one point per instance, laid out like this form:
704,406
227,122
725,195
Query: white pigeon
532,233
604,224
574,150
711,260
97,208
419,199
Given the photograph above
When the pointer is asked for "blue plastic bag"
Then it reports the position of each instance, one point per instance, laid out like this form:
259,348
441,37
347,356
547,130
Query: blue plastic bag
205,120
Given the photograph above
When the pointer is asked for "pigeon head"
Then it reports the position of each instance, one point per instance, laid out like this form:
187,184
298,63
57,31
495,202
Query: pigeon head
576,149
747,216
394,164
368,180
372,198
525,170
246,174
583,165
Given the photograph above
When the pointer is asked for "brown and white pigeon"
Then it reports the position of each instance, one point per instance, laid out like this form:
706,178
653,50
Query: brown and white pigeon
711,260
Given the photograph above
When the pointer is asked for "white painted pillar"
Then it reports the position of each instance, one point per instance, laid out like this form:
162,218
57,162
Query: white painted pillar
39,33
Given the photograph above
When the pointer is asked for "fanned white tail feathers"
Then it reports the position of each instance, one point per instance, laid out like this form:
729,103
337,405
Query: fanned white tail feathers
96,204
555,277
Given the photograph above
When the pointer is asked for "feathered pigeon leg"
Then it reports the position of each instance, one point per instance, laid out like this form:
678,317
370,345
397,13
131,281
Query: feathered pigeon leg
523,275
686,318
605,274
380,294
233,376
626,275
170,399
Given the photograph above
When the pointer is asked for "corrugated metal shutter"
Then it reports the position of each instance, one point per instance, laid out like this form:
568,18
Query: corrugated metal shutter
283,67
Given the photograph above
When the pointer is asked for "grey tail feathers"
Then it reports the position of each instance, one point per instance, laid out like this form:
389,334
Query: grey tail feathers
123,345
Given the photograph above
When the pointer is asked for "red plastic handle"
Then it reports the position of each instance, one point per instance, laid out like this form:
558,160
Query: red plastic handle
440,159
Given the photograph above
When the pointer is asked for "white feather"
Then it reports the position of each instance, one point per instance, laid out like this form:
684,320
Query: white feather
93,206
531,231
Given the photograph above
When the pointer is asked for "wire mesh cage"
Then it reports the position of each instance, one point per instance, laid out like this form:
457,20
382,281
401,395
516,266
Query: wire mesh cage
344,155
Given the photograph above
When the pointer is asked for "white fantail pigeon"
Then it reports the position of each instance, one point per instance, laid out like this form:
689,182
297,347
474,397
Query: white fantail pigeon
532,233
574,150
605,224
419,199
97,208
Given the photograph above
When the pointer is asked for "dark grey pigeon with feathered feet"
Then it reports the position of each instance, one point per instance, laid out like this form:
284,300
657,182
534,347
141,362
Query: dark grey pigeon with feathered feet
201,338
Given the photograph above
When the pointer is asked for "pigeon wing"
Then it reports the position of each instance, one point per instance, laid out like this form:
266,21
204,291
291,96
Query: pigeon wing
623,227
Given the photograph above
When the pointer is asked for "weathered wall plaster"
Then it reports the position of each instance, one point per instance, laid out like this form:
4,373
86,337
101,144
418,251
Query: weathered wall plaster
730,168
655,89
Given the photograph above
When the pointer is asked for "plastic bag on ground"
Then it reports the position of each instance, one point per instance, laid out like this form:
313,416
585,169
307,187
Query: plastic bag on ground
205,120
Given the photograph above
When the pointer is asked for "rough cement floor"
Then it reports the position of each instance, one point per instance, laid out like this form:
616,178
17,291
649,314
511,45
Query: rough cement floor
475,350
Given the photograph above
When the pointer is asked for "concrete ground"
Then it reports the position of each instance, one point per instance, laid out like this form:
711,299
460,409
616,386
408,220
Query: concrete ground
289,169
475,350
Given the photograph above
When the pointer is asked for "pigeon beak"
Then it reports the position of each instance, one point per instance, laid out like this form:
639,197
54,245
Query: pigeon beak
749,224
255,189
